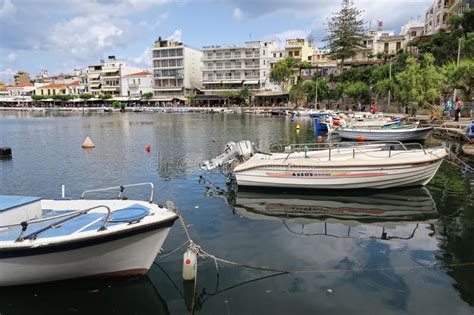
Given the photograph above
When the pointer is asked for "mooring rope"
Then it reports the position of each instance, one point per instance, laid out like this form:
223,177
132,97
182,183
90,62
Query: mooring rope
204,254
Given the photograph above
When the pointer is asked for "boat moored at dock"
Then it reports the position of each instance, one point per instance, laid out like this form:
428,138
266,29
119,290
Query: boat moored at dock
50,240
331,165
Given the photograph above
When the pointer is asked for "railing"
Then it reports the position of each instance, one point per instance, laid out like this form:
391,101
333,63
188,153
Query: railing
68,217
121,190
355,146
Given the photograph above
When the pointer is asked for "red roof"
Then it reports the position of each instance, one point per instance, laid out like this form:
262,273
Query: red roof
23,85
139,74
60,85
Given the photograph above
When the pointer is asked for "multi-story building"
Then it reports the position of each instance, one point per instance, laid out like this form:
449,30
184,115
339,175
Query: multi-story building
136,84
105,78
232,67
411,30
21,77
389,44
436,16
176,69
299,49
458,7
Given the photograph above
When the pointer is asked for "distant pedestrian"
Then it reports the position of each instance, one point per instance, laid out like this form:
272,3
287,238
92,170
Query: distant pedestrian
359,106
373,109
448,106
457,110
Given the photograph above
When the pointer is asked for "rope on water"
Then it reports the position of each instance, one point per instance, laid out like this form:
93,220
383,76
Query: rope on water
204,254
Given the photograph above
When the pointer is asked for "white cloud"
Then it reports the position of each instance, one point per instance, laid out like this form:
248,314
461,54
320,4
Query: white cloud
7,9
144,60
87,36
176,35
237,14
11,57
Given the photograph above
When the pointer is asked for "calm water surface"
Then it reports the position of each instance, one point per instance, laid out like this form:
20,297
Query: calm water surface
404,251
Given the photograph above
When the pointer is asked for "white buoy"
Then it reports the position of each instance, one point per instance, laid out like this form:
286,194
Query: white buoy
189,265
87,144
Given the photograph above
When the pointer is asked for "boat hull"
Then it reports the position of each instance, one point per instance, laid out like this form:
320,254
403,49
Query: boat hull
386,135
131,254
363,177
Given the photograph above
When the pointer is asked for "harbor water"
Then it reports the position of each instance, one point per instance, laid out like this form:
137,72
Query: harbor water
397,251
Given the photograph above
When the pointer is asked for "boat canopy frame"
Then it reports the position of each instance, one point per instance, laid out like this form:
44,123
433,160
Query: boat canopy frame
121,189
356,146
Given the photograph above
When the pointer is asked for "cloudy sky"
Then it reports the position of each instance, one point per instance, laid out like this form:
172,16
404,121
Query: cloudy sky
60,35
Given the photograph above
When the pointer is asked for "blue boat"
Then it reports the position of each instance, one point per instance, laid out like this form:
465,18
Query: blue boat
470,130
320,127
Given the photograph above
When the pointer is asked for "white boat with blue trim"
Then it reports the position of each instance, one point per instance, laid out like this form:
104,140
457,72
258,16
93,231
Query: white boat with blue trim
50,240
345,165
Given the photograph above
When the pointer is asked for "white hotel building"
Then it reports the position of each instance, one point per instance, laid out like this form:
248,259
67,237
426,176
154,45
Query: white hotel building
232,67
176,70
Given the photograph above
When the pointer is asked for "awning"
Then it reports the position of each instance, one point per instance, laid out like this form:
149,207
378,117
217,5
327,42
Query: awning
93,76
110,88
120,98
135,98
251,82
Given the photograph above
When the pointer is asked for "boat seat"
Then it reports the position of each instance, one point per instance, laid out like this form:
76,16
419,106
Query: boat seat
129,214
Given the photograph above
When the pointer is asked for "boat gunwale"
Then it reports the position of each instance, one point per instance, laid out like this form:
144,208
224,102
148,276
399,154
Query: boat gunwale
40,248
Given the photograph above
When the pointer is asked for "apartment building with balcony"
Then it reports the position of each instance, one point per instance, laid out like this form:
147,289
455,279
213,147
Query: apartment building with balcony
176,69
436,16
106,77
412,30
232,67
458,7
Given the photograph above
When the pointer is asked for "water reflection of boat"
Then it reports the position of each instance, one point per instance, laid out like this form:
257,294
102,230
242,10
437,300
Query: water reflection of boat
388,209
405,205
92,296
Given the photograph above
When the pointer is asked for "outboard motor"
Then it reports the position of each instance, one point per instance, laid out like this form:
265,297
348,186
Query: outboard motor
233,152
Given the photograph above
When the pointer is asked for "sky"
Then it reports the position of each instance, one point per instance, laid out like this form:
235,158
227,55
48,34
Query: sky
61,35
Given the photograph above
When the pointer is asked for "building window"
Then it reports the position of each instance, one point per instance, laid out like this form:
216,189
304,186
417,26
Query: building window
297,53
385,47
274,55
281,55
263,62
290,54
399,45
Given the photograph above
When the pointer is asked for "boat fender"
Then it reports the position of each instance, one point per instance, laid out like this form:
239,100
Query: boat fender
320,138
189,265
297,126
148,148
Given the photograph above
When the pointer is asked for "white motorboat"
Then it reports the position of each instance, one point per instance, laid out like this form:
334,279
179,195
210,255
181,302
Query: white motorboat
389,133
331,165
49,240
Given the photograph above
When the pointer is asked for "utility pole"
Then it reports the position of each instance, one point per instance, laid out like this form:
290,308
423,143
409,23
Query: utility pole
389,91
316,95
457,63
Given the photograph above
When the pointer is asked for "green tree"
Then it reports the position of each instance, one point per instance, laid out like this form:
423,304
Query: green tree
228,95
37,97
345,30
245,94
419,85
116,104
85,96
297,94
323,89
461,76
147,95
282,72
191,98
358,91
105,96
